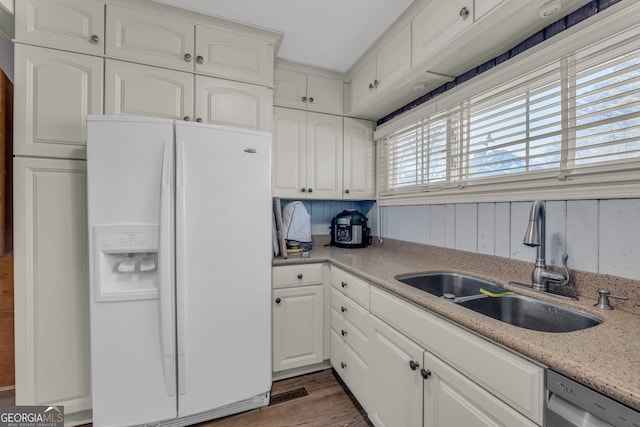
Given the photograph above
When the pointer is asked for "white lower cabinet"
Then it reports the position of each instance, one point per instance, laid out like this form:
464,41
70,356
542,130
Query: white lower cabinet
298,316
409,367
350,341
396,383
52,285
451,399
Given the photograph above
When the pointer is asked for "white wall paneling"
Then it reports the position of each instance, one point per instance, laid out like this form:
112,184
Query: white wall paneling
600,236
582,234
619,221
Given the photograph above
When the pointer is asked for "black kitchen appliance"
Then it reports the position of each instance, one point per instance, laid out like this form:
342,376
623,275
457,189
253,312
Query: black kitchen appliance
349,230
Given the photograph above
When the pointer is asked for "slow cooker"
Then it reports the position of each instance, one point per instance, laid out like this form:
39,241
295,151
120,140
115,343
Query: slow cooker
349,230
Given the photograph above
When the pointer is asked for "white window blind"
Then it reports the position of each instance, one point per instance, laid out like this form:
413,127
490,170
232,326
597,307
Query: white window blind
574,116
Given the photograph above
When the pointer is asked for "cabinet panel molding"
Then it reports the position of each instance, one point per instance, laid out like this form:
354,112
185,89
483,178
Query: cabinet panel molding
139,90
51,285
54,92
76,25
237,104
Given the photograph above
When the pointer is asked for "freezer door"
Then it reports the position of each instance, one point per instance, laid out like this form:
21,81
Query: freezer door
133,369
223,254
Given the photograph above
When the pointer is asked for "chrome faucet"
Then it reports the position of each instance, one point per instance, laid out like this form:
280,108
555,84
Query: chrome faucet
534,237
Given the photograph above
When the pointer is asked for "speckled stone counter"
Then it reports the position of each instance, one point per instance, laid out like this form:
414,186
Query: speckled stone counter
605,357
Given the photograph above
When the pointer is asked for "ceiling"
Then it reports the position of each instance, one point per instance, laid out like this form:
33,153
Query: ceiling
331,34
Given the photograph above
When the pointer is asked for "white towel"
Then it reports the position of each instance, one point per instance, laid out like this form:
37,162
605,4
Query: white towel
296,222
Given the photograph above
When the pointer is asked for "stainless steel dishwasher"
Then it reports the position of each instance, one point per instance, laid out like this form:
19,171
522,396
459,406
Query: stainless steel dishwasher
571,404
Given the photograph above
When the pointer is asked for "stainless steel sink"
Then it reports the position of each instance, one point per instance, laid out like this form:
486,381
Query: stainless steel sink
531,313
439,284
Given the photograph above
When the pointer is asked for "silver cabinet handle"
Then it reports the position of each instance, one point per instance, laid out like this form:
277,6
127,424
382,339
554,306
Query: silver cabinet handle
199,59
186,118
187,57
464,12
94,39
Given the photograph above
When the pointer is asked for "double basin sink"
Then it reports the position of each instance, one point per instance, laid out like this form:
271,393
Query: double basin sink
490,299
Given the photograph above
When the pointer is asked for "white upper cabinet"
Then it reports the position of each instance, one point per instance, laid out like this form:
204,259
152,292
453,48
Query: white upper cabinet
230,103
141,90
358,157
76,25
149,38
54,92
310,92
233,56
437,24
382,71
307,155
482,7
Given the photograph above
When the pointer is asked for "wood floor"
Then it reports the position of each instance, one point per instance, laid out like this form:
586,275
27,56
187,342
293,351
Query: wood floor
329,403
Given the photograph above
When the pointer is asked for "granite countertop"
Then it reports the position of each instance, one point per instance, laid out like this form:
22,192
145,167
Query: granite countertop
605,357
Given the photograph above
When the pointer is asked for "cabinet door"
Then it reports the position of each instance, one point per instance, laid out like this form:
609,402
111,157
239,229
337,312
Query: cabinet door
289,154
234,56
482,7
451,399
297,327
324,94
363,85
147,38
291,89
394,59
396,388
51,284
75,25
54,92
140,90
324,156
358,167
436,25
224,102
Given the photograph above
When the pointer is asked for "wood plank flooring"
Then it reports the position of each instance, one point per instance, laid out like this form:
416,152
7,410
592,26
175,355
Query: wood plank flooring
329,403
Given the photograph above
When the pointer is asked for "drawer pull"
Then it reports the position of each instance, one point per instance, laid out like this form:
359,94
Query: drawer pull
343,332
300,276
344,284
414,365
343,309
278,300
343,365
425,373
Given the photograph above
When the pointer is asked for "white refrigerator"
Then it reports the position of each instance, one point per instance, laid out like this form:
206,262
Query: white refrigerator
180,265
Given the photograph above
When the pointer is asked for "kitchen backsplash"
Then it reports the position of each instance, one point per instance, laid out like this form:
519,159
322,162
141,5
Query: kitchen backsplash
600,236
322,211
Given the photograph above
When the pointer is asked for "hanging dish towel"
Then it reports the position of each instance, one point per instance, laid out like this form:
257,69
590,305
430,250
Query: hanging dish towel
296,222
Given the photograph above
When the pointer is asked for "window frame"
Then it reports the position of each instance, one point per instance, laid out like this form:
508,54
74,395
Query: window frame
600,181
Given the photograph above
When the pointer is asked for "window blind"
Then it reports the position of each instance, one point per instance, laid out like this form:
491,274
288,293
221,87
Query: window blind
568,117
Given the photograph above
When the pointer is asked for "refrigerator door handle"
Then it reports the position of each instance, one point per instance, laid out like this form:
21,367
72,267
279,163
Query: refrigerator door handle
165,264
180,263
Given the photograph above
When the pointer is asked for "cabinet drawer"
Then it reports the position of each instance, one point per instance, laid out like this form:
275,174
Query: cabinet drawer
351,369
297,275
352,286
515,381
350,335
350,311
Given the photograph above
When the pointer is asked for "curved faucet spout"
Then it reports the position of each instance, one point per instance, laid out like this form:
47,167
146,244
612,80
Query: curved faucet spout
535,237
